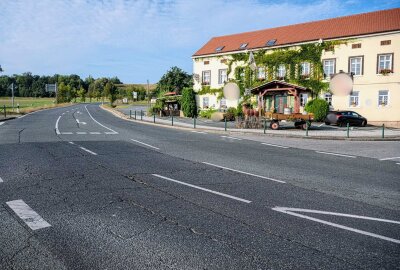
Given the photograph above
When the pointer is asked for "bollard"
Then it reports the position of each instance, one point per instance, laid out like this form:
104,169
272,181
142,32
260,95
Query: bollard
383,131
154,118
141,114
5,113
348,130
265,125
135,114
306,129
130,114
172,119
225,123
194,122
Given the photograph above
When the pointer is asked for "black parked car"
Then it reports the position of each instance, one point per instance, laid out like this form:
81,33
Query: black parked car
341,118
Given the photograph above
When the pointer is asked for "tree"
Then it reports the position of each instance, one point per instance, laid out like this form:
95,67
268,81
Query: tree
188,102
82,94
111,91
173,81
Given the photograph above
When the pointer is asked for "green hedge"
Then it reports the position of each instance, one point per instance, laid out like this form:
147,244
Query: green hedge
319,107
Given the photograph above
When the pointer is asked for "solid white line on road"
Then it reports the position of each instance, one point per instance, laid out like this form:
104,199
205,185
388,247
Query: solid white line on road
114,132
110,133
251,174
290,211
87,150
71,142
57,130
1,180
22,116
81,132
233,138
95,133
274,145
66,133
398,163
200,132
389,158
203,189
145,144
335,154
30,217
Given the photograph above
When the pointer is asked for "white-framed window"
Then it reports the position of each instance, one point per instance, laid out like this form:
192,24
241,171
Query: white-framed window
329,67
354,100
222,76
222,103
206,78
328,98
305,69
281,71
356,65
261,73
206,102
385,62
383,98
303,99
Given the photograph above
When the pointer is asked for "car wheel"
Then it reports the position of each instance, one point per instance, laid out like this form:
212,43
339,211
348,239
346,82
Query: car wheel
327,123
364,123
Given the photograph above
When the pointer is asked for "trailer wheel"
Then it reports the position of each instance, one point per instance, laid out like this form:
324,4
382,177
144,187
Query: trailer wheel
305,125
274,125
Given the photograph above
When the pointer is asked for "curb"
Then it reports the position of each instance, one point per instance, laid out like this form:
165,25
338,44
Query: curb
125,117
8,118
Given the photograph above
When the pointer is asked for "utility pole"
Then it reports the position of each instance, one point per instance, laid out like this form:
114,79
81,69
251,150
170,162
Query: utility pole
12,95
148,97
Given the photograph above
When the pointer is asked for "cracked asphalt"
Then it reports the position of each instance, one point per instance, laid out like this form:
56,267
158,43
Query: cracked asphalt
125,195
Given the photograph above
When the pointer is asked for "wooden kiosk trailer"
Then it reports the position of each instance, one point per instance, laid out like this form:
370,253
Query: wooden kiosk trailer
281,101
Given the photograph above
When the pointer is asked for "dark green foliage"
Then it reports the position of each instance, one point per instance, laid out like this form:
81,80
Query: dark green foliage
230,114
207,113
188,102
319,107
111,91
173,81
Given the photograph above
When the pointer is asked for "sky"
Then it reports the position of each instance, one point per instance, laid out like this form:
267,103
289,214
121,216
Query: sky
140,40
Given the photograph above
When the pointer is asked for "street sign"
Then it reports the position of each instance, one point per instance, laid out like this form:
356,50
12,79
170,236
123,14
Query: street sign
51,87
134,94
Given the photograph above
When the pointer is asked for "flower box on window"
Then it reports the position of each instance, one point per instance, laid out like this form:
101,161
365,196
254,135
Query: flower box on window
385,71
305,76
205,83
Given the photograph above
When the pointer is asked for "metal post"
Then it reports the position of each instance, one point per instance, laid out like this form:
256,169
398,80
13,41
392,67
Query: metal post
135,114
225,123
172,119
265,125
348,130
383,131
194,122
154,118
5,113
306,129
141,114
130,114
12,95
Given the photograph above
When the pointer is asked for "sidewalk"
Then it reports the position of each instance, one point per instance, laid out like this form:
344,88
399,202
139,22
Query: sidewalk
316,131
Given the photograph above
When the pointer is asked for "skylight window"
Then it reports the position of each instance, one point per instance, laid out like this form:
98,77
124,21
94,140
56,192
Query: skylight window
243,45
271,42
220,48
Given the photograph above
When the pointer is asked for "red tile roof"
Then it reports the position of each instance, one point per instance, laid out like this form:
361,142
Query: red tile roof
341,27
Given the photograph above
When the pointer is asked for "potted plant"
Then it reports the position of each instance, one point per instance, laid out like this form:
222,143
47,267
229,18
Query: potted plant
385,71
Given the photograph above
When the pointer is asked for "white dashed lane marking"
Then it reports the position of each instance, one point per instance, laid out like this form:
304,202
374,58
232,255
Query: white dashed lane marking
30,217
203,189
87,150
335,154
251,174
232,138
148,145
275,145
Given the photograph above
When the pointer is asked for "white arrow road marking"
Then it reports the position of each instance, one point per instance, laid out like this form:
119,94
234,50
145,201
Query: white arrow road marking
1,180
83,123
203,189
112,131
57,130
30,217
1,123
292,211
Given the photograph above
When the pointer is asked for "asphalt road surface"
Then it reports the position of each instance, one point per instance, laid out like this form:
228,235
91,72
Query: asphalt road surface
82,189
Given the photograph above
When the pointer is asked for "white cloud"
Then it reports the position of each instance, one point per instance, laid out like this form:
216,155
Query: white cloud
125,37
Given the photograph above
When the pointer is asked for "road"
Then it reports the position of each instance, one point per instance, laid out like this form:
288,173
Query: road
83,189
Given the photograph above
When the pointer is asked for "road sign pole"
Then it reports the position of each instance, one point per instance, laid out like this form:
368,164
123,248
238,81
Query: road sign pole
141,114
154,118
383,131
172,120
348,130
135,114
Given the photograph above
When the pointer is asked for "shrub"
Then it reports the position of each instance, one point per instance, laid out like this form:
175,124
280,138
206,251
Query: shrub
239,111
188,102
207,113
318,107
230,114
